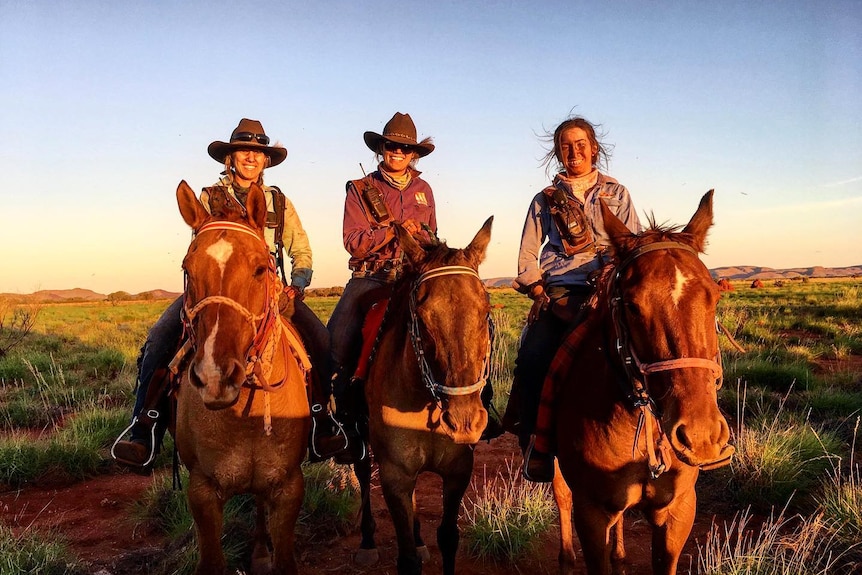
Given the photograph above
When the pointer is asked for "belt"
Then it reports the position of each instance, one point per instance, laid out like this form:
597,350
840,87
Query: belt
387,270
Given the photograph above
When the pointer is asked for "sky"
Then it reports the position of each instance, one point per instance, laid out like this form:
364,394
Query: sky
107,105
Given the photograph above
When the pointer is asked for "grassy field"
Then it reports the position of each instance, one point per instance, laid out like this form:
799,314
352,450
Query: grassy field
793,397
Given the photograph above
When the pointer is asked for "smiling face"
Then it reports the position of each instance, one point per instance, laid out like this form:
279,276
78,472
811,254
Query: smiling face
247,166
576,151
397,157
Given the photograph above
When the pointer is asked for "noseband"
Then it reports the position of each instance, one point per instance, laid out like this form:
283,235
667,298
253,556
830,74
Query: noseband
638,371
439,390
265,325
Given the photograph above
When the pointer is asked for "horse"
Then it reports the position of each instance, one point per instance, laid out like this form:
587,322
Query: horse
242,409
635,386
422,392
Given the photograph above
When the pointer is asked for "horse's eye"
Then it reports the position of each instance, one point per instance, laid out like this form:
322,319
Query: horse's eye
259,271
632,308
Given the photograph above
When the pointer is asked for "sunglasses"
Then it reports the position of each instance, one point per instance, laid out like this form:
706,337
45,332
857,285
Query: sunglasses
261,139
392,146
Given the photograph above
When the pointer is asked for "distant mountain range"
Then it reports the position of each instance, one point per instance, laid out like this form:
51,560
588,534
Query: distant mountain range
731,273
748,273
86,295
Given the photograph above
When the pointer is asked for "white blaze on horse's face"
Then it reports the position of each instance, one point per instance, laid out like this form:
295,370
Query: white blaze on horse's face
220,252
207,369
681,280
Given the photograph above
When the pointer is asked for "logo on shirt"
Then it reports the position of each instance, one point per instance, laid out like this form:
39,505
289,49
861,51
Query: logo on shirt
421,199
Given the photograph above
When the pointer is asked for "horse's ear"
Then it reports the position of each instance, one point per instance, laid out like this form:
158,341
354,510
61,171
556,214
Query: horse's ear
255,205
191,208
476,250
701,221
411,247
614,227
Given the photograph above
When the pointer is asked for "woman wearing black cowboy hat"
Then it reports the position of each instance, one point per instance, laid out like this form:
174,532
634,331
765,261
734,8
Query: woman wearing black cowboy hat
245,156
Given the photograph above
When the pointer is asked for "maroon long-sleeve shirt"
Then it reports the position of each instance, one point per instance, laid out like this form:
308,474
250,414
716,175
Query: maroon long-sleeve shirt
361,233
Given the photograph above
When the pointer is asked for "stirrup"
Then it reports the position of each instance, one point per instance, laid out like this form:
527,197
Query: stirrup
152,414
316,409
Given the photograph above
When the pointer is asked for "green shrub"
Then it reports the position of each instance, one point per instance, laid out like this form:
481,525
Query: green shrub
43,553
507,517
780,546
330,504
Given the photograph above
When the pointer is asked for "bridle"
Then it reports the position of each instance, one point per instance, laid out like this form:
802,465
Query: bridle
266,325
638,372
439,391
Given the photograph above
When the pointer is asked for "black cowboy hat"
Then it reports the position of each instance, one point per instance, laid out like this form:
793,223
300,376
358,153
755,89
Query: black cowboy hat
248,135
401,130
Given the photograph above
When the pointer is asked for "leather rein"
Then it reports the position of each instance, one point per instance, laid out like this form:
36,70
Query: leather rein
638,372
266,325
438,390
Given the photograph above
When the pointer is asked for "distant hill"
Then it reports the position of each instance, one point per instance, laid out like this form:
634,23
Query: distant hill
745,273
761,273
86,295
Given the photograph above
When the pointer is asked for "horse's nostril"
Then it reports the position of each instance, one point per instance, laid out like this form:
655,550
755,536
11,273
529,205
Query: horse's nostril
682,437
447,420
193,377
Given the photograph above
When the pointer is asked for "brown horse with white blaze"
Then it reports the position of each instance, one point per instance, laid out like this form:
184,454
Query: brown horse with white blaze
242,409
635,387
423,393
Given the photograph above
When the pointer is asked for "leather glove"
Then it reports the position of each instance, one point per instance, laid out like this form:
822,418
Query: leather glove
541,301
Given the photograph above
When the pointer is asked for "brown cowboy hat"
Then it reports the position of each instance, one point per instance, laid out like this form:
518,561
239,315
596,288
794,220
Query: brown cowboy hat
401,130
248,135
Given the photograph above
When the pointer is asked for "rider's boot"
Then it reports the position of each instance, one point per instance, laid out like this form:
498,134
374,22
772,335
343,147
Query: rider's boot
538,465
147,428
348,402
328,435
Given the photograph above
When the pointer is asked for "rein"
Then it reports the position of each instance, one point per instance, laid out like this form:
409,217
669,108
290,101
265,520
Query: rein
638,371
437,389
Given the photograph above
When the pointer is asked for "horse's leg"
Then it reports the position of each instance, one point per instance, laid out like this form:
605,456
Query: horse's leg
421,548
593,525
284,508
398,488
618,548
367,554
563,497
261,560
454,486
208,512
671,528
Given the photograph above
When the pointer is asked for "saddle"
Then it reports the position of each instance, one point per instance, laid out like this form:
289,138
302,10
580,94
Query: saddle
370,330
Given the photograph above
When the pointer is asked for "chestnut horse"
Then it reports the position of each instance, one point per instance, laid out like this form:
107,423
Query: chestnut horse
423,393
637,414
242,409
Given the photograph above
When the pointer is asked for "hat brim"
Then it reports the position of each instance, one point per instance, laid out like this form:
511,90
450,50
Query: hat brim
218,151
373,139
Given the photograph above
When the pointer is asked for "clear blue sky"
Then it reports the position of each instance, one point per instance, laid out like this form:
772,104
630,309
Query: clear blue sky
107,105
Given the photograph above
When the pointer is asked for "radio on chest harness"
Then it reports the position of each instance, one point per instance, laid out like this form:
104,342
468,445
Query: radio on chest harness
571,221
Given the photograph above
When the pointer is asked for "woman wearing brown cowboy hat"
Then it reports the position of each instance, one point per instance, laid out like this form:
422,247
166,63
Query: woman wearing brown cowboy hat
395,192
244,157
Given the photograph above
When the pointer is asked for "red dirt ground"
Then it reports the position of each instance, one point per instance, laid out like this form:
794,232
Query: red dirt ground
94,516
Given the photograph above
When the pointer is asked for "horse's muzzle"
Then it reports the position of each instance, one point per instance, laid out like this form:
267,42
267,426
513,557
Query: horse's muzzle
464,426
702,444
219,388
